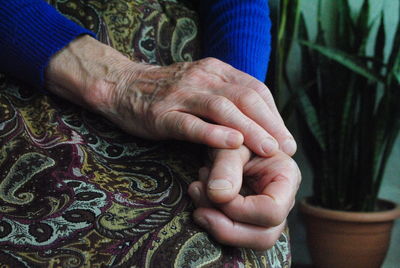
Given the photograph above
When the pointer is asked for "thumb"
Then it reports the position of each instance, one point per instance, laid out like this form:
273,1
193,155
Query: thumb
226,174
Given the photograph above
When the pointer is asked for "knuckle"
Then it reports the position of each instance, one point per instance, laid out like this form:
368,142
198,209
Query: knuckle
182,125
249,99
201,78
248,127
160,125
277,217
154,111
211,133
292,165
264,90
261,88
210,61
155,121
277,213
285,165
194,74
276,127
186,126
218,104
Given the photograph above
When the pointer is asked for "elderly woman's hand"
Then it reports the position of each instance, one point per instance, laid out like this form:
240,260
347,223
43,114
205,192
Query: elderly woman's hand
254,219
206,101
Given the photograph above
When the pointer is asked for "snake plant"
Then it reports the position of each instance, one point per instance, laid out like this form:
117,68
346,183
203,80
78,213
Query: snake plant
349,106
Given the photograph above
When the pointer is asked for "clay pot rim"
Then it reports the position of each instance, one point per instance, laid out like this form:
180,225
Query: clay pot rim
381,216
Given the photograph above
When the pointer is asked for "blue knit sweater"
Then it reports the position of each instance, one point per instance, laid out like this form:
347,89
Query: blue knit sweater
31,31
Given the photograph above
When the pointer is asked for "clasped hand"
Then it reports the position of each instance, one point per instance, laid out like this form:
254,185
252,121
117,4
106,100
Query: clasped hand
243,200
205,101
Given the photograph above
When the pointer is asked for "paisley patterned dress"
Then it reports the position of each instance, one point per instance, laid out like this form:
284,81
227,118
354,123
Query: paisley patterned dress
75,191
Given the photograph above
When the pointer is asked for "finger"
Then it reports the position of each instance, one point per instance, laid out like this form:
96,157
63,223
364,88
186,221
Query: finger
266,95
287,143
227,73
255,107
278,177
204,172
241,78
276,187
222,111
183,126
198,194
259,210
237,234
236,77
197,189
225,178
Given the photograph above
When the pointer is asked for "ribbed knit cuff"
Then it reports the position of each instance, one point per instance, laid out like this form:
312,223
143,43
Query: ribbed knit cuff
31,31
237,32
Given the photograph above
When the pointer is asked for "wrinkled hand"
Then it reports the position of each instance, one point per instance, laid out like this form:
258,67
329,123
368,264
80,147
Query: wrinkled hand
253,220
206,101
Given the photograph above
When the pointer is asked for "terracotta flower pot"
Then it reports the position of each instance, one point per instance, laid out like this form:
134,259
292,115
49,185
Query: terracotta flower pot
348,239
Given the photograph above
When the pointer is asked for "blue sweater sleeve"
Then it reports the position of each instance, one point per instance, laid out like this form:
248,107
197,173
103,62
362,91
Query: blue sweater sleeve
31,31
237,32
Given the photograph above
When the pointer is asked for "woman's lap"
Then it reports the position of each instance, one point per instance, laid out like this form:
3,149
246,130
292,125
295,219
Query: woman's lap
75,191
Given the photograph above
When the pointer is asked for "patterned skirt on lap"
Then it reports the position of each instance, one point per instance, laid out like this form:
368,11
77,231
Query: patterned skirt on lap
75,191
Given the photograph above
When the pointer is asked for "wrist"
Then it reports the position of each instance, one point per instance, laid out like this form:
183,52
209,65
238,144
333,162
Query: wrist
87,73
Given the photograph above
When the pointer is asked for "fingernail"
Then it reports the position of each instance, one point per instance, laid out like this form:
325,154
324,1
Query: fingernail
289,146
220,185
269,145
202,222
233,139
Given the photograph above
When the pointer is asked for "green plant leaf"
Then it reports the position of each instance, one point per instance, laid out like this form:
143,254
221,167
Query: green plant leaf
391,131
380,43
311,118
287,34
347,123
345,25
363,27
363,16
397,76
346,60
395,54
320,30
308,70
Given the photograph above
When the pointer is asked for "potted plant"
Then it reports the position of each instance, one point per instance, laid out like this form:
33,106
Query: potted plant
349,119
